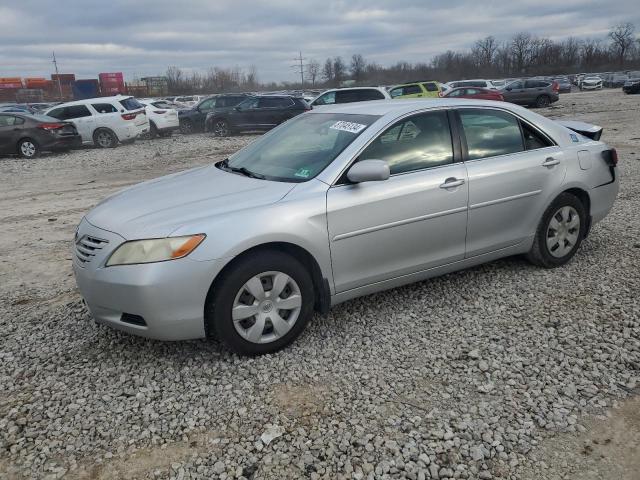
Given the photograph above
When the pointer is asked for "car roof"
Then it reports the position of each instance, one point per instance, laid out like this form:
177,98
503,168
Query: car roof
400,107
114,98
352,88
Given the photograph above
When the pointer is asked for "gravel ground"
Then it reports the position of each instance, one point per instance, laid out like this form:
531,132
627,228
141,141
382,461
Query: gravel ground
501,371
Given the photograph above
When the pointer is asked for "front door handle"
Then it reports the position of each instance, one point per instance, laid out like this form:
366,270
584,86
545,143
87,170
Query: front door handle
452,182
550,162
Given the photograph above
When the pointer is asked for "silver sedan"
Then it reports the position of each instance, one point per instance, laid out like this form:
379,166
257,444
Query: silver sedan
337,203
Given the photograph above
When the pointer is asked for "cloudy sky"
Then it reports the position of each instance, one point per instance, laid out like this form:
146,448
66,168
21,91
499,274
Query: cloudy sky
143,37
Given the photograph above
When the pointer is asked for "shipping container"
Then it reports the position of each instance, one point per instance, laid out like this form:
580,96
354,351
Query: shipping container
10,86
87,88
29,95
8,94
11,80
65,78
111,76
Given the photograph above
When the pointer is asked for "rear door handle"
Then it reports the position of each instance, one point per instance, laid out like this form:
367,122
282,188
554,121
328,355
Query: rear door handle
550,162
452,182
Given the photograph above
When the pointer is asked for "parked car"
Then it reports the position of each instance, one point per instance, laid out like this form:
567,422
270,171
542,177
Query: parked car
350,95
188,100
163,120
428,89
477,93
591,83
616,80
256,113
104,121
497,84
535,93
16,109
564,85
488,84
337,203
28,135
631,86
194,119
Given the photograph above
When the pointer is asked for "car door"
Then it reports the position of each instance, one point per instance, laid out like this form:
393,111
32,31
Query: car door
271,111
206,106
414,221
535,88
8,132
245,115
515,93
513,169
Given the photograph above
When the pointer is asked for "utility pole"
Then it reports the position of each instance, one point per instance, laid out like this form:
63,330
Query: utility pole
300,67
55,64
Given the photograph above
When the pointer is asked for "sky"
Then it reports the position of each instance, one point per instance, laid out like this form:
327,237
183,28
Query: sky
144,37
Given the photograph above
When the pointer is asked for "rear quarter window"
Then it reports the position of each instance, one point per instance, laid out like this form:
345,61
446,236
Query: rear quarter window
104,107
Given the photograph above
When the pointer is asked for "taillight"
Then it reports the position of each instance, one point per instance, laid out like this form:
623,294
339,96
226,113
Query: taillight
611,157
555,86
129,116
51,126
159,112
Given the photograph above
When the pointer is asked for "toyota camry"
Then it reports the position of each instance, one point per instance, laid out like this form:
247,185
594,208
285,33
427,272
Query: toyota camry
337,203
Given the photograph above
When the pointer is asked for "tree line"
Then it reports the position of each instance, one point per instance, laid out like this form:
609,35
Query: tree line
524,54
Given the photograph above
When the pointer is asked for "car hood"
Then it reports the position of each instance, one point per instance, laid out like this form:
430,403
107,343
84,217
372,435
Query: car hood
158,207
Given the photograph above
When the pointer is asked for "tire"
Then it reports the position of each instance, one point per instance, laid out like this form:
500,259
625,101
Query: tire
153,130
543,101
28,148
186,127
558,237
221,128
254,332
104,138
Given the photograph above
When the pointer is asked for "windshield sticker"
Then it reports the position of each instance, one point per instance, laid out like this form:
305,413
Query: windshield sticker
574,137
348,127
302,173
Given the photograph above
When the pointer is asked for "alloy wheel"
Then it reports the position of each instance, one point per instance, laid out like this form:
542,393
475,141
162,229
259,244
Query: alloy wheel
563,231
266,307
104,139
221,129
28,149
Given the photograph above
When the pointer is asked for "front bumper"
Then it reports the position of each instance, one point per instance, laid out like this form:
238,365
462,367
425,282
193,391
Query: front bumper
169,296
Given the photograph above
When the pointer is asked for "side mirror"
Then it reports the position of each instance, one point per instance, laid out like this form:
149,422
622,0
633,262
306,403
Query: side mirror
368,171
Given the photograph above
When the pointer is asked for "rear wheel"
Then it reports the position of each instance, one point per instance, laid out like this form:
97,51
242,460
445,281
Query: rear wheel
262,304
560,232
221,128
543,101
105,138
28,148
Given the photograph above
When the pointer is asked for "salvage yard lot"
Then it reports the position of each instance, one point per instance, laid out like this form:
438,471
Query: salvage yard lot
500,371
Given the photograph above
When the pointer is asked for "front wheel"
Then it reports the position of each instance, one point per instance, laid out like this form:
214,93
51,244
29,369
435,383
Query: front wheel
262,304
186,127
560,232
28,148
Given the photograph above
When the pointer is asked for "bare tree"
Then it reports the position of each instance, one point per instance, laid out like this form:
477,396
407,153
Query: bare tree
521,51
327,71
313,70
251,78
622,39
358,66
485,50
339,70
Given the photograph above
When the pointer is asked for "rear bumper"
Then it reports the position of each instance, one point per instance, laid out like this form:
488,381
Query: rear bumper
63,143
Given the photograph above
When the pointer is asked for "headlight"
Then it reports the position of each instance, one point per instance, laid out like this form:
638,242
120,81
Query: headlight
156,250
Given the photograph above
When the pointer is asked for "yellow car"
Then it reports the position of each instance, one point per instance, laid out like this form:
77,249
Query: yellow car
428,89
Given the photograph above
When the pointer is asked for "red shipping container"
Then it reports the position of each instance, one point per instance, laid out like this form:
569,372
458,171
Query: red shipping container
10,86
65,78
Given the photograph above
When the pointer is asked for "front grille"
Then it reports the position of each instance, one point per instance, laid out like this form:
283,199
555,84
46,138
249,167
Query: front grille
87,248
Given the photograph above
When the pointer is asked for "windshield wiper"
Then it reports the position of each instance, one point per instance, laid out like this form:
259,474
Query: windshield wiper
242,170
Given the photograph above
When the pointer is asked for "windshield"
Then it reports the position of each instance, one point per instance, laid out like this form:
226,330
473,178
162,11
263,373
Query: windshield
131,104
301,148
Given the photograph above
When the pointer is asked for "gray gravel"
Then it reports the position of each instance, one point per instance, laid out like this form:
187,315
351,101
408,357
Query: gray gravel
461,376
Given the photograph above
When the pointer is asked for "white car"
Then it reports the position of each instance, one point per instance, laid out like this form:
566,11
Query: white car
350,95
188,100
163,118
104,121
591,83
478,83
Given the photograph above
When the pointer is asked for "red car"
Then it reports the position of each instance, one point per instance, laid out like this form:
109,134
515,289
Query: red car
475,92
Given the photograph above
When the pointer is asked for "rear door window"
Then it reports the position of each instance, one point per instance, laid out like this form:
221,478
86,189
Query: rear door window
57,113
431,87
76,111
104,107
9,121
490,133
515,85
274,102
208,105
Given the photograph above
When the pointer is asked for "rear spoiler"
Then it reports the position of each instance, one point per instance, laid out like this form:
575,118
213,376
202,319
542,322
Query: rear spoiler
594,132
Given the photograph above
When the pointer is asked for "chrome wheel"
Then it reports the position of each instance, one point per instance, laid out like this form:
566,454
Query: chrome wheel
220,128
28,149
104,139
266,307
563,231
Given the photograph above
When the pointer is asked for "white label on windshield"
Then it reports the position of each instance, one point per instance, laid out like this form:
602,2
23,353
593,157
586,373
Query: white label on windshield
348,127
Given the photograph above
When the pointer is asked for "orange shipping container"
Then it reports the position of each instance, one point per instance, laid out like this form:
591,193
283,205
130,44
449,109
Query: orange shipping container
10,80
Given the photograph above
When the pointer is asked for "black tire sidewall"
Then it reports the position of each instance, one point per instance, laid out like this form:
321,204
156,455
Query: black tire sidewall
220,303
540,245
35,144
543,101
186,127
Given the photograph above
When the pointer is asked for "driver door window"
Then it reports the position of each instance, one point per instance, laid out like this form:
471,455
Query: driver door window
418,142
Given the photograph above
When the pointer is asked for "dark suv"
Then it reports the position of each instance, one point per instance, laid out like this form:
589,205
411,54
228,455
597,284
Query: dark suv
259,112
194,119
533,93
